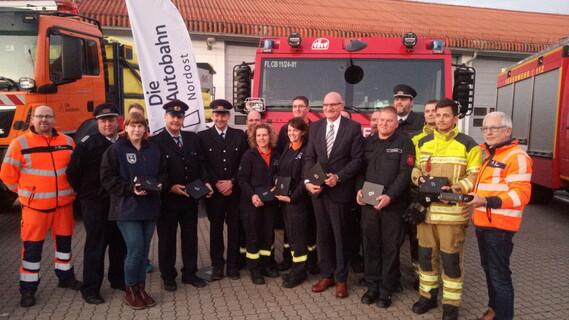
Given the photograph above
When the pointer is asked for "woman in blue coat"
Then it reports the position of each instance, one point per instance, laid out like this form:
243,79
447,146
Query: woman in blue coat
256,173
134,209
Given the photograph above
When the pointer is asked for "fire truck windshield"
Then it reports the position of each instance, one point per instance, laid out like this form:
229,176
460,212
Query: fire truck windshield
18,56
281,79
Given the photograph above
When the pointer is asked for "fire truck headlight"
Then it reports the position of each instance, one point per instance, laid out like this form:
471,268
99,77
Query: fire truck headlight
27,83
294,40
409,40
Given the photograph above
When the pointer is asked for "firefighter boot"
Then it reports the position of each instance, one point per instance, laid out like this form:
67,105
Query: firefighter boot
132,298
287,259
28,300
425,304
450,312
148,301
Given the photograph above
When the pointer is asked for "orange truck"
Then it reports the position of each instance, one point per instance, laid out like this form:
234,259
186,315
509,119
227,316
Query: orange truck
53,56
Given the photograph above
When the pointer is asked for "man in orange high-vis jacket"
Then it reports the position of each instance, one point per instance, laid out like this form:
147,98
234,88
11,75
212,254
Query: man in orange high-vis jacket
502,190
34,167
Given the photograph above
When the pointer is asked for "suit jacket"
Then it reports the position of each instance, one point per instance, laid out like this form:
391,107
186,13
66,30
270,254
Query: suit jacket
345,158
183,165
412,124
222,156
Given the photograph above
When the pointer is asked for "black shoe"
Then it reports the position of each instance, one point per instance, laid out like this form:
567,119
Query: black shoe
284,265
170,285
194,281
270,273
424,305
363,282
384,302
313,268
450,312
370,297
233,273
217,273
257,278
73,284
292,281
28,300
95,299
118,286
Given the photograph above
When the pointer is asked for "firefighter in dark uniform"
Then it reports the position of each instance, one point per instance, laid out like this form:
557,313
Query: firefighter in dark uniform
83,172
295,205
388,160
403,101
222,148
182,154
257,171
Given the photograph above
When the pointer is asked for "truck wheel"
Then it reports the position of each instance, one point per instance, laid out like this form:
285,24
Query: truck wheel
7,199
540,194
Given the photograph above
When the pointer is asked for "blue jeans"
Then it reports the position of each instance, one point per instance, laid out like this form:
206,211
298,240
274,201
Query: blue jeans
137,236
495,248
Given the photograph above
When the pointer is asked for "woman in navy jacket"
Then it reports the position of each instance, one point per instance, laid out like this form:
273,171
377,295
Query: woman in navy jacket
257,171
135,210
295,209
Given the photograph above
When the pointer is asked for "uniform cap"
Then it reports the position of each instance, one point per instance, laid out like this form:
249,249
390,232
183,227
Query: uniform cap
176,108
220,106
404,91
106,110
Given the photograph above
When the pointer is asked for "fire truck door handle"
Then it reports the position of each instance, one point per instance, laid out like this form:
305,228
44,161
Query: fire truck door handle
90,105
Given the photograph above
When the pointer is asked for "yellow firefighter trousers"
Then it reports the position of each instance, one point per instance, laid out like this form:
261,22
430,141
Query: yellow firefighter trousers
447,242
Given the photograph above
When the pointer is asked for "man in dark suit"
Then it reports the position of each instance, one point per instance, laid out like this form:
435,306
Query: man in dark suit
223,148
336,143
181,151
403,100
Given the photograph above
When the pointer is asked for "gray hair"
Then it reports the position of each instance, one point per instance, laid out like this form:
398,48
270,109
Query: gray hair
506,120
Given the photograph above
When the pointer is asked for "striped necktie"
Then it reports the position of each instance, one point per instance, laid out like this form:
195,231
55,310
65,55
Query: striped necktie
178,141
329,140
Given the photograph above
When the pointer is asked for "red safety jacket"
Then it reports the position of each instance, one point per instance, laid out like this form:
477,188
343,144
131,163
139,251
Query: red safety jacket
34,167
504,180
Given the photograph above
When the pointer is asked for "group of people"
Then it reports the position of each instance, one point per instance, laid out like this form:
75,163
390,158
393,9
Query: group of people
241,170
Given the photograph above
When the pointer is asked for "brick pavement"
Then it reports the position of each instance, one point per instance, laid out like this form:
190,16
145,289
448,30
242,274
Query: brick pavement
539,265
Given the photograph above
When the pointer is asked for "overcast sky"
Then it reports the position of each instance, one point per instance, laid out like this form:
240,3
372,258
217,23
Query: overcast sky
546,6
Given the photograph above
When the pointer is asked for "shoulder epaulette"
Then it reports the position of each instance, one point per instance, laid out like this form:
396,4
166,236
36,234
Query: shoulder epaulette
466,140
425,139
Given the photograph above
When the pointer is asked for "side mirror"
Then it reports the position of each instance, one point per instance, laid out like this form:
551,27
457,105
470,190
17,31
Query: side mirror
70,61
463,90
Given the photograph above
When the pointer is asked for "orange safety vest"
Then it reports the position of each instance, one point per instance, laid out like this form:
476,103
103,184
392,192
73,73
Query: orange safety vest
505,181
34,167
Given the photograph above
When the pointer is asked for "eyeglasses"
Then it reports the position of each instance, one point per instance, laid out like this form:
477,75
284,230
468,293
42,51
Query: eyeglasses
44,116
491,129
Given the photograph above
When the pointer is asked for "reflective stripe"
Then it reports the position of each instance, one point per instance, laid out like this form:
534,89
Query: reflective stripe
299,259
286,245
265,253
311,248
428,277
518,177
31,265
492,187
12,161
472,170
444,217
62,255
24,145
515,198
428,288
45,195
452,284
448,160
63,266
467,184
45,173
29,277
12,186
242,250
508,212
254,256
451,295
448,209
522,165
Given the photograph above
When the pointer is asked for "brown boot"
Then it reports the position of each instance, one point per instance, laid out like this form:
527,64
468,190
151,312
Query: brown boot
148,301
132,298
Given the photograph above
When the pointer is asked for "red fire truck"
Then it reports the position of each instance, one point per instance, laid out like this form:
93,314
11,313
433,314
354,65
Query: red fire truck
363,70
535,93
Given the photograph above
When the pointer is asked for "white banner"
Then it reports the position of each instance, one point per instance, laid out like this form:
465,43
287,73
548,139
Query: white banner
167,62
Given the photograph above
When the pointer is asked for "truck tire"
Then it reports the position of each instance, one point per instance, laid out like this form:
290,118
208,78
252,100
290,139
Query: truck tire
540,194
